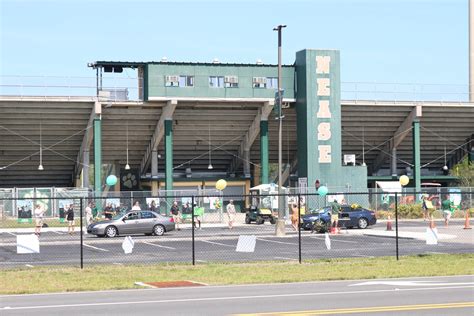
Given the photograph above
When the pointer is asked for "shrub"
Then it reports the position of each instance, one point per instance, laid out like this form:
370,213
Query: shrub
410,211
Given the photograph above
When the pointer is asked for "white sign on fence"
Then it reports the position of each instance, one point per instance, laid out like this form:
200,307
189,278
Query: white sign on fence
303,185
27,244
246,243
127,245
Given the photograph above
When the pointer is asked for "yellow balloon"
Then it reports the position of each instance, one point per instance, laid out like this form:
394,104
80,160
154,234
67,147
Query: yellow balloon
404,180
221,184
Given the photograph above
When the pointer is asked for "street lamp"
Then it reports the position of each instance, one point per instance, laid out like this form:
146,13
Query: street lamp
280,225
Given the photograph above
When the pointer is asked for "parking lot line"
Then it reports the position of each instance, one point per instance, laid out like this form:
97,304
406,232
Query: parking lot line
11,234
58,232
97,248
332,239
151,244
217,243
277,242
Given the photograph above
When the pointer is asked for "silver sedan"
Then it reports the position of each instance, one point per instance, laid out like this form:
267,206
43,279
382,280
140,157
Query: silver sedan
133,222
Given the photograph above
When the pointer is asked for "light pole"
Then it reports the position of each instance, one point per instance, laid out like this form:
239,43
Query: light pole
280,225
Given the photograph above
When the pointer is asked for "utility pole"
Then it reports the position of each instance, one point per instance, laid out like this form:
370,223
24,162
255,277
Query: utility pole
280,224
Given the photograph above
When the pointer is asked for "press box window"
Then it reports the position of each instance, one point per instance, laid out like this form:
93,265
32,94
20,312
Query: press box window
231,81
265,82
216,82
186,81
272,83
179,81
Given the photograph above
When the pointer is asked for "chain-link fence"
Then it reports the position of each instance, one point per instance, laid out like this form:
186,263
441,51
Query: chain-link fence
76,228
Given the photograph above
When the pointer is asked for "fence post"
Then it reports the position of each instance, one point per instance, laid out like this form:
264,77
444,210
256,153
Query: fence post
299,229
192,230
396,223
82,245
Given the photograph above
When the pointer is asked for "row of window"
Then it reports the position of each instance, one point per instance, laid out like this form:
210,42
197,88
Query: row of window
221,82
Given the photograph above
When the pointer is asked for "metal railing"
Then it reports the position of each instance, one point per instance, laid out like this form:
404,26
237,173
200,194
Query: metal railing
76,86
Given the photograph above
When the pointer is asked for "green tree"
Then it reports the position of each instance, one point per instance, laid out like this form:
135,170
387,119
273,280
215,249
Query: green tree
464,170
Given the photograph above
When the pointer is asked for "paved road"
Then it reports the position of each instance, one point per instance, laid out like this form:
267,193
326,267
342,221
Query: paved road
219,244
409,296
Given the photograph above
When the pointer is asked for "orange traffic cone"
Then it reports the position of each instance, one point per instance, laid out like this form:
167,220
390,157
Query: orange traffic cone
432,223
466,222
389,223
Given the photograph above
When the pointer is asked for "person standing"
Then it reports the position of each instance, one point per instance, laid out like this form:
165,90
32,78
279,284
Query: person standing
424,207
176,214
446,208
108,211
231,213
136,206
70,219
335,209
38,213
89,214
153,206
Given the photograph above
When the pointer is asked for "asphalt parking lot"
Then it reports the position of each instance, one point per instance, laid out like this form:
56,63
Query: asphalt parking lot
216,243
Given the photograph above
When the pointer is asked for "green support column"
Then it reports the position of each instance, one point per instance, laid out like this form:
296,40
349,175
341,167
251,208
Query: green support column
416,155
169,154
264,151
97,157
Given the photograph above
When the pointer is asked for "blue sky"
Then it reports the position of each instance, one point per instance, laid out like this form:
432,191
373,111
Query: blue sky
401,41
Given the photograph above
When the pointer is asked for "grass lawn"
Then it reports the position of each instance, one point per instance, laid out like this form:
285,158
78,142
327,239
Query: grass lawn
107,277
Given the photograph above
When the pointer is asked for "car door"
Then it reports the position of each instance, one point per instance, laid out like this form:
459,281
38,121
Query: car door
130,223
147,221
345,216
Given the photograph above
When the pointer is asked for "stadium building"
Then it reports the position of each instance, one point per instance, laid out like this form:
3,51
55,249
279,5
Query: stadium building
184,124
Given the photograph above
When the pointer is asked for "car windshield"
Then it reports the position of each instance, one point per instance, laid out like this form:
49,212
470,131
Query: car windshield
118,216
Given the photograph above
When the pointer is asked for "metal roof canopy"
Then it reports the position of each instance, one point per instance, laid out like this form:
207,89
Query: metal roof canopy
64,122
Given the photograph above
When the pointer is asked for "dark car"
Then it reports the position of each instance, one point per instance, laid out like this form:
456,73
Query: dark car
349,217
133,222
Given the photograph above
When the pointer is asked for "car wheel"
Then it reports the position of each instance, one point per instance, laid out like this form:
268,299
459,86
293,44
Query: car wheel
111,231
362,223
272,220
247,220
159,230
260,221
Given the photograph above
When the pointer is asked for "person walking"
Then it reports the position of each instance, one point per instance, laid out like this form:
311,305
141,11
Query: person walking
38,213
176,214
294,216
88,214
446,208
231,213
70,219
335,209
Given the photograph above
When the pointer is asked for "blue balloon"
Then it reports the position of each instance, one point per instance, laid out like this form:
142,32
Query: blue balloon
323,190
111,180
